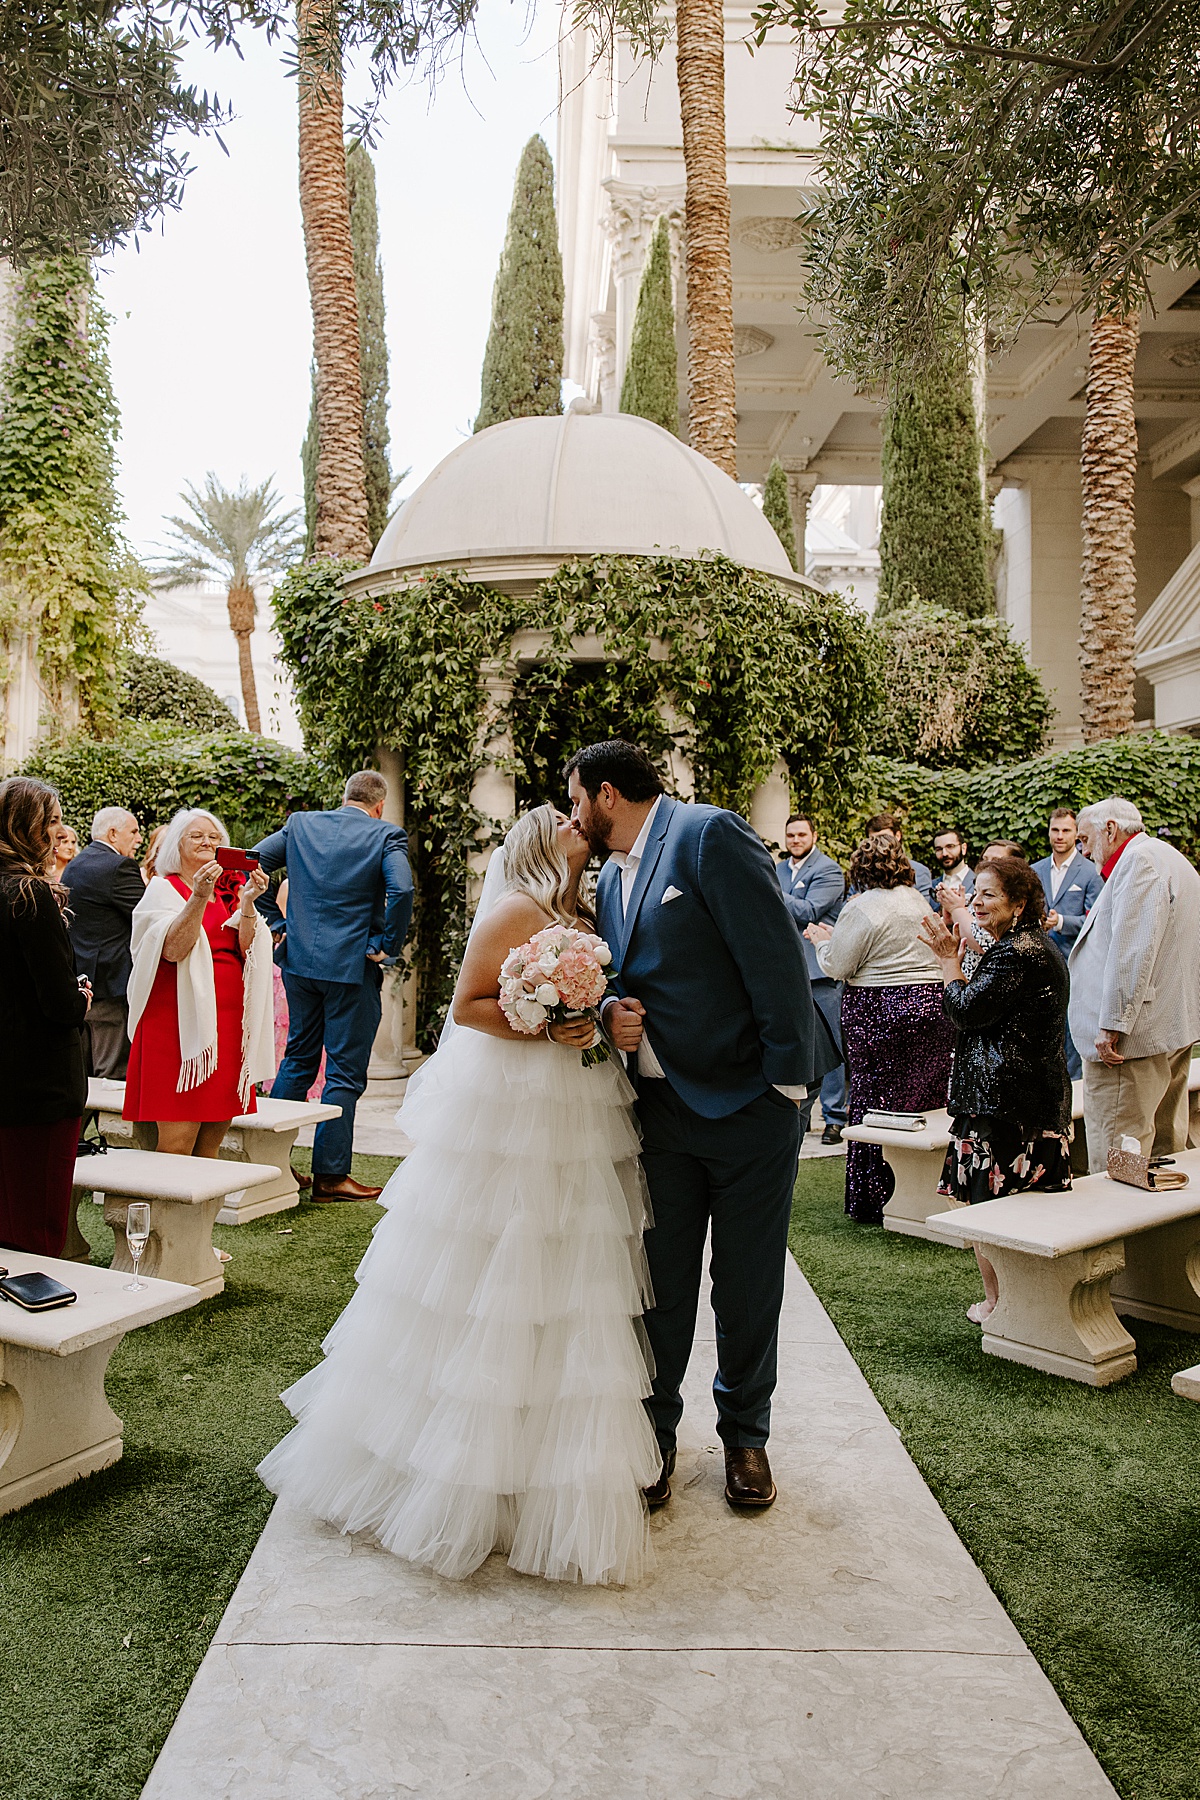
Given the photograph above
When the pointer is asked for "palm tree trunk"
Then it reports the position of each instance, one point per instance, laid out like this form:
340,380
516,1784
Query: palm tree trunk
242,609
712,400
341,527
1108,472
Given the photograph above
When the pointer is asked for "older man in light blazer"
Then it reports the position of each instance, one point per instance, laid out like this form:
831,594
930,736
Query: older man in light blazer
1135,986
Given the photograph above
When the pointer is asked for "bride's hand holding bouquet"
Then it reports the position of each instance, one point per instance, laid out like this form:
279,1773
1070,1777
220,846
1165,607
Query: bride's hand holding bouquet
555,983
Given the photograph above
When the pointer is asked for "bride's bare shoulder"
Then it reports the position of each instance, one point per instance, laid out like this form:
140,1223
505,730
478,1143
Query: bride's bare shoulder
514,918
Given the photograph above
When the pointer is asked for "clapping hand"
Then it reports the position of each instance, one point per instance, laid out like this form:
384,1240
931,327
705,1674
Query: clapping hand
951,896
818,934
945,946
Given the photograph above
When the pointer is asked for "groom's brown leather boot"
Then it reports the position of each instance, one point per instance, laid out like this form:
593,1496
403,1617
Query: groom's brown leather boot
748,1478
660,1493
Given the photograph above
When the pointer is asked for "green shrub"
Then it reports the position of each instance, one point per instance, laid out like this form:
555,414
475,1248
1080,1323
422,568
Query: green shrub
152,689
248,781
959,691
1159,772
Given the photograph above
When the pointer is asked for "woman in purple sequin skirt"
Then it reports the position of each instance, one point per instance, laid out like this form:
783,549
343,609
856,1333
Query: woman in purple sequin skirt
895,1034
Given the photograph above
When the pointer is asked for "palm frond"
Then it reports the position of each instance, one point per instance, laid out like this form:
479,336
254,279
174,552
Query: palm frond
232,535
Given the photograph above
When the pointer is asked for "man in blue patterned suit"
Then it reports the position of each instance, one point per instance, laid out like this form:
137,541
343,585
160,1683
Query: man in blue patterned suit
715,1011
814,891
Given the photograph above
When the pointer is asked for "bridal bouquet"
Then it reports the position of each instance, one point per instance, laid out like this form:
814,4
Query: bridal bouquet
560,973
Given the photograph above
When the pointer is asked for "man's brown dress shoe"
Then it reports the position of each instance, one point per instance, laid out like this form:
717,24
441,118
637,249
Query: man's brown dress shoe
327,1188
660,1493
748,1478
302,1181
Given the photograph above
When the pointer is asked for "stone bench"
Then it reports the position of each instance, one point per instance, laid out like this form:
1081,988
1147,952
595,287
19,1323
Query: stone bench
185,1193
266,1136
55,1421
1068,1263
915,1159
1187,1383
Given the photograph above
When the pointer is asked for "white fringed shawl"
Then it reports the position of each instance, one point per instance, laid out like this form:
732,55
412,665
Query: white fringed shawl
153,917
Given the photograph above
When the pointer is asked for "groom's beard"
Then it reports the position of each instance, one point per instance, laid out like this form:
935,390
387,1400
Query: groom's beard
598,831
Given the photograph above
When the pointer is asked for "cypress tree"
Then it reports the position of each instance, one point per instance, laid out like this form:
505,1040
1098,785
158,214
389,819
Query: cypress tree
522,365
368,284
651,385
777,509
935,538
368,287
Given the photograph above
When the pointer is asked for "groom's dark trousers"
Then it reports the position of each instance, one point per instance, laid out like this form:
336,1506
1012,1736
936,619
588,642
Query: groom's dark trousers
708,947
737,1173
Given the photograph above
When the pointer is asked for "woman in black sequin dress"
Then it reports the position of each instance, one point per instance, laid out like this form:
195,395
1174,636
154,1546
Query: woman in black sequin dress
1010,1094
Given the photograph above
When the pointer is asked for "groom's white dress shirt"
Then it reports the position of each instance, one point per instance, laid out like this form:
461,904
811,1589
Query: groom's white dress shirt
629,862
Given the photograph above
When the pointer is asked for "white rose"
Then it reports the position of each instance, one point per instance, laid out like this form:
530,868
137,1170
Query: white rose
602,953
530,1013
546,995
546,962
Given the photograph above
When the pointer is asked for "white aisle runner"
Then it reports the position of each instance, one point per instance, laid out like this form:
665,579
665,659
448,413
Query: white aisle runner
842,1646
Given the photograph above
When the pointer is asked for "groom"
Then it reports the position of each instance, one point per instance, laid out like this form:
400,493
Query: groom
715,1007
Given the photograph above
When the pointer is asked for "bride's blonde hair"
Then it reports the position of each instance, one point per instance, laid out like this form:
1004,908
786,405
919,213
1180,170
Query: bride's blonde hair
535,865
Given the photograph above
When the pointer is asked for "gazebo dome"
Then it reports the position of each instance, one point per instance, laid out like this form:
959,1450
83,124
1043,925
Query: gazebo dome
515,501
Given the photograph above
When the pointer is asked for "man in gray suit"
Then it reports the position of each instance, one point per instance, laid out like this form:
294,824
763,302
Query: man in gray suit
1135,986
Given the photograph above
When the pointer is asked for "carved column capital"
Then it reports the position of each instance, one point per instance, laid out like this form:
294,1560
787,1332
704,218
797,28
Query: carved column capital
630,217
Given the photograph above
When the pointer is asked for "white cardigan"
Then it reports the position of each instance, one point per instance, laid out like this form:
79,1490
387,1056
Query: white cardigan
153,917
1135,966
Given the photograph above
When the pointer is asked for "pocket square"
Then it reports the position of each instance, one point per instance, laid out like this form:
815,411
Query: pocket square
672,893
1074,888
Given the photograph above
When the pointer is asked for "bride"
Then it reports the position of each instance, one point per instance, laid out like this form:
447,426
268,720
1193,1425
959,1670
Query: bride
483,1389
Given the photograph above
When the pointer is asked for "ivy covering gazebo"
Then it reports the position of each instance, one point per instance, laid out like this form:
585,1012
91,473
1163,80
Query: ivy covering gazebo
555,580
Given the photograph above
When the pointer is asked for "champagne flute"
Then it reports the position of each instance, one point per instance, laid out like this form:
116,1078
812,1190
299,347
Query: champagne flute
137,1235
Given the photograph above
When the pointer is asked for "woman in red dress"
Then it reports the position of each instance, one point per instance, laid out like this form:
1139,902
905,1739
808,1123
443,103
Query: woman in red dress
200,992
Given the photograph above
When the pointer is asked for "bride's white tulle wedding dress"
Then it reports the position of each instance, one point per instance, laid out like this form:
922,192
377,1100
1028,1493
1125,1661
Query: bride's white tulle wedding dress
483,1389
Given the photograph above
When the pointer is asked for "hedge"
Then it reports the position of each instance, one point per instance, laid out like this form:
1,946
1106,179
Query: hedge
152,689
250,782
1159,772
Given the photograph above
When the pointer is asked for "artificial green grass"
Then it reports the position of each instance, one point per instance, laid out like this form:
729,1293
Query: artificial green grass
1080,1505
111,1590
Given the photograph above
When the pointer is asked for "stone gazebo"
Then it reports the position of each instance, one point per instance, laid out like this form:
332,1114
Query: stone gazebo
513,503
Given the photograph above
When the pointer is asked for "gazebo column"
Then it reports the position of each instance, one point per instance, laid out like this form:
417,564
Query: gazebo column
395,1048
771,805
494,789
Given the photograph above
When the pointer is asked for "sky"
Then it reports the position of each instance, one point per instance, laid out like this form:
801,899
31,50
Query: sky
212,334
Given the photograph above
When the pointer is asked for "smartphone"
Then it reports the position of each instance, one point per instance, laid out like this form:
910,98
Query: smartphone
237,859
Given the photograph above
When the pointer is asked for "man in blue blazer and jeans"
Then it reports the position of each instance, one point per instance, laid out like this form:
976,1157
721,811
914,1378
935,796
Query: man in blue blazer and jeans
350,897
715,1013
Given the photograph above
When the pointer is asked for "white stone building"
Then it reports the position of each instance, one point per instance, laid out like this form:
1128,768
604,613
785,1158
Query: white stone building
190,628
620,166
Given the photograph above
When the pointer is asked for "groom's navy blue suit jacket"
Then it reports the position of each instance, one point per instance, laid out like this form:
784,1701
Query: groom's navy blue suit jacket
719,968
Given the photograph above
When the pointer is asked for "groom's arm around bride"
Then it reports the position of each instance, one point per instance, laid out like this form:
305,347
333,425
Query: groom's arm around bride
715,1000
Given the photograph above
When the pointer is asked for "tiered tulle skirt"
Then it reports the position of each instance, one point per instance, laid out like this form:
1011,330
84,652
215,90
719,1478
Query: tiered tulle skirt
483,1389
